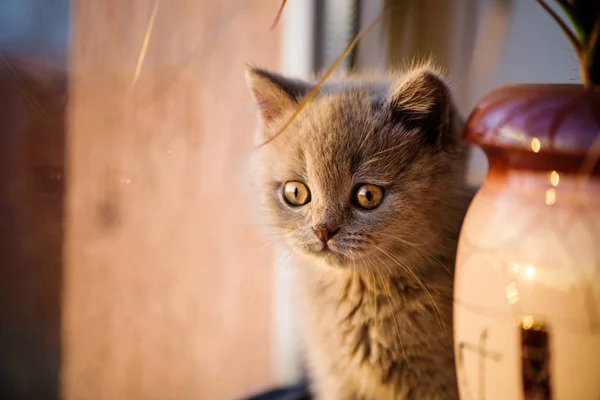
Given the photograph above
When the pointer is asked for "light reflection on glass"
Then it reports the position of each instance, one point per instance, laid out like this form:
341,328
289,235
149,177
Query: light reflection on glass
530,322
512,133
550,196
535,145
554,178
527,321
529,271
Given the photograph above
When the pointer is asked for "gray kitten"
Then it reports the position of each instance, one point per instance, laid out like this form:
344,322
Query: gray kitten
367,188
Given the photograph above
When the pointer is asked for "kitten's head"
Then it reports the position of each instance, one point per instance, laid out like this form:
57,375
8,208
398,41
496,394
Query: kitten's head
366,172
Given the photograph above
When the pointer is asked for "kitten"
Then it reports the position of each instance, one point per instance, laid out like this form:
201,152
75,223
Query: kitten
367,188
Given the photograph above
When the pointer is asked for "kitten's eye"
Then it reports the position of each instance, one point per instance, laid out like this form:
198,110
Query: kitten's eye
296,193
368,196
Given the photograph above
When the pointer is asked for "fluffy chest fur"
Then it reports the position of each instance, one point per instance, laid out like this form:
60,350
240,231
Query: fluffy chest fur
371,337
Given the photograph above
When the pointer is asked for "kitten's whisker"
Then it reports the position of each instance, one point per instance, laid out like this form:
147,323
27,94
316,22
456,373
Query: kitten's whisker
275,238
436,310
374,285
353,277
401,240
420,247
285,255
364,139
389,149
372,160
267,242
343,289
389,299
384,264
276,234
434,258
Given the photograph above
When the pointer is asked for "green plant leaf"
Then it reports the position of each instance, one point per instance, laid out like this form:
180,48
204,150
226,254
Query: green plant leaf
567,7
586,12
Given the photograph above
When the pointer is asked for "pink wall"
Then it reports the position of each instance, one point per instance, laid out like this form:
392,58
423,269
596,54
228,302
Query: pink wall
167,285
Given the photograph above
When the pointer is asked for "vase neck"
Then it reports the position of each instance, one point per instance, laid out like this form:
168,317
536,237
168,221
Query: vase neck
548,186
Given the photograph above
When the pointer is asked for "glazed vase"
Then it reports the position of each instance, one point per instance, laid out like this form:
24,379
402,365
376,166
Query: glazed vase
527,287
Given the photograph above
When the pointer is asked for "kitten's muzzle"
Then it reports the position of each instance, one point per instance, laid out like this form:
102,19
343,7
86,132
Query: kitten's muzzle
325,233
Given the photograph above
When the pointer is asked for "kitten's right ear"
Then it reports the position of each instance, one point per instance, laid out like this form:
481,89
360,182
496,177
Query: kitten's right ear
422,100
273,93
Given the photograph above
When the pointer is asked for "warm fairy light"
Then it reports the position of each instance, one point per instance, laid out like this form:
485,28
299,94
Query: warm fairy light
550,196
554,178
530,322
535,145
527,321
529,271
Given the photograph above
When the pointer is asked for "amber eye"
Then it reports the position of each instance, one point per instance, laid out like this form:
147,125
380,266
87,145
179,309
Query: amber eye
296,193
368,196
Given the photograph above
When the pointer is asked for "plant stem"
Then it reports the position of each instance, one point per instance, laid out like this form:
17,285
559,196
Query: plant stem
583,70
583,51
570,35
328,72
278,16
568,9
591,50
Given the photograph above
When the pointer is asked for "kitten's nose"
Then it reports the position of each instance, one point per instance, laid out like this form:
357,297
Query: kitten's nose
325,233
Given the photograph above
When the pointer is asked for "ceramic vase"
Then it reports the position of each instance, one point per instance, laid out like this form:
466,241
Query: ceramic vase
527,288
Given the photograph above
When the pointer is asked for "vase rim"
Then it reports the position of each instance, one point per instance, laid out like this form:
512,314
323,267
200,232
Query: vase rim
557,87
537,122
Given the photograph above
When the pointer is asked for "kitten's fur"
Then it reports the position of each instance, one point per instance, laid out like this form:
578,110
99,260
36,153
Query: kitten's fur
371,329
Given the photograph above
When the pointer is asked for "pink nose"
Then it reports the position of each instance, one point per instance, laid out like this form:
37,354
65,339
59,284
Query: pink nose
324,234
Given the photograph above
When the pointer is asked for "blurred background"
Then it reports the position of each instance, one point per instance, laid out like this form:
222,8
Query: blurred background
131,266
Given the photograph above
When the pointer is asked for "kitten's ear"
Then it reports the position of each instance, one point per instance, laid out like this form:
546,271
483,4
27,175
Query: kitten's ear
274,93
423,101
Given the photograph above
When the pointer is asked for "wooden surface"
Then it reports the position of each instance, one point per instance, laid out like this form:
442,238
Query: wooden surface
167,285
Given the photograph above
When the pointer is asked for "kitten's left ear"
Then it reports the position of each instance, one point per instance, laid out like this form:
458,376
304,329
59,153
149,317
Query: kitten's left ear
274,93
423,101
